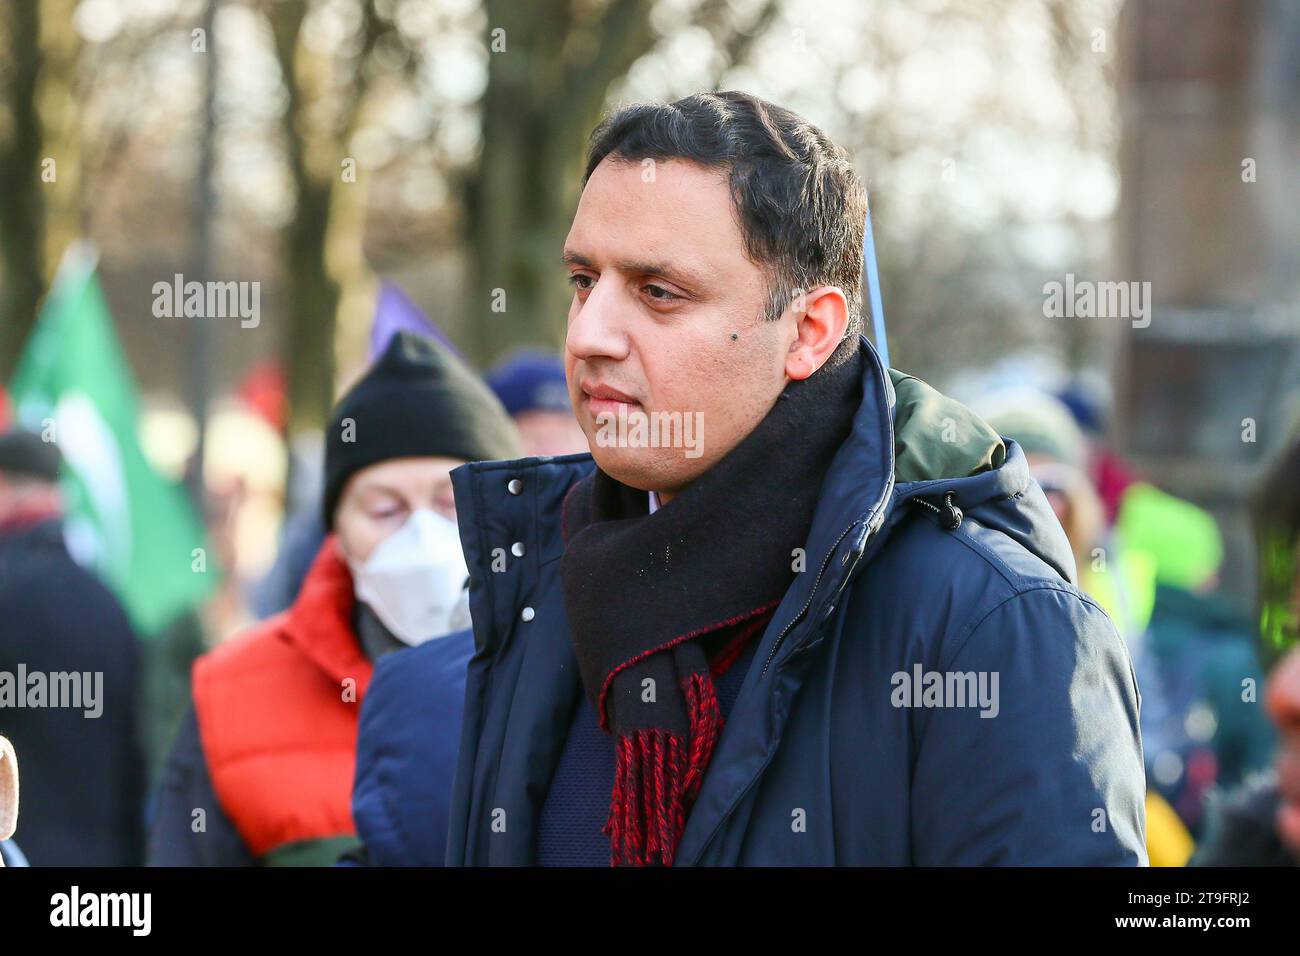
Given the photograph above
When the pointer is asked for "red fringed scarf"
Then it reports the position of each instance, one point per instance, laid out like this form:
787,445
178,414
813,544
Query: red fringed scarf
658,770
651,597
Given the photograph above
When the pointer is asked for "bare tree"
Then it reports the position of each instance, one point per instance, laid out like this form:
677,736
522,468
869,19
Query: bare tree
22,212
315,153
551,64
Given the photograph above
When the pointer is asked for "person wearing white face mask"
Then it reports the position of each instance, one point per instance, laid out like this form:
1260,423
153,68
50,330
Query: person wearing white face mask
268,752
414,581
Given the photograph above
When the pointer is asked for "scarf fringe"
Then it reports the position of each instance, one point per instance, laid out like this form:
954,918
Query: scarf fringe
657,777
706,724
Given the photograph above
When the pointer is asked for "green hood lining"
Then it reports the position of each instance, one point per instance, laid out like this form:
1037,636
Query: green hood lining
937,437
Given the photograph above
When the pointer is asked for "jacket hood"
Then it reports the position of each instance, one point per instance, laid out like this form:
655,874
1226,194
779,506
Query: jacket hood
937,437
943,448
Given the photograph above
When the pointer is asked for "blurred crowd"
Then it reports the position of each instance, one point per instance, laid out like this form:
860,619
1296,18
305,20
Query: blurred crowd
87,784
1152,560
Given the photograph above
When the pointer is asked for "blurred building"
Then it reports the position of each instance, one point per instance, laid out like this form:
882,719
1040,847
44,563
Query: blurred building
1210,168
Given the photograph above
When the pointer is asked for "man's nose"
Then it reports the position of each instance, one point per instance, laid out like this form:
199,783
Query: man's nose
597,327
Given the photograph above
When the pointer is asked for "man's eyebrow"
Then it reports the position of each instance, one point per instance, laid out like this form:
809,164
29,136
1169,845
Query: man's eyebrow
667,270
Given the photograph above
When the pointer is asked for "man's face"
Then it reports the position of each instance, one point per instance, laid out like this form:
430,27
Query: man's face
667,316
378,499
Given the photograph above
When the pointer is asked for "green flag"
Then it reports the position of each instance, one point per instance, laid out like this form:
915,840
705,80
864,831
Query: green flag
137,528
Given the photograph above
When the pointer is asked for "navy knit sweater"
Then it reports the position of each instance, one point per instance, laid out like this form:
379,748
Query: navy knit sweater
577,804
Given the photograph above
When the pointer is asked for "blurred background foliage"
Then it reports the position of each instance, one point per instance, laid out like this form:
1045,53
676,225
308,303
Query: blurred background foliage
441,143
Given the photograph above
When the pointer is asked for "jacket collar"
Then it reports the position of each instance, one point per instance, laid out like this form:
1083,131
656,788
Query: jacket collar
319,624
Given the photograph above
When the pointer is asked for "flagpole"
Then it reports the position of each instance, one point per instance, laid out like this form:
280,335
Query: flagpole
873,289
198,332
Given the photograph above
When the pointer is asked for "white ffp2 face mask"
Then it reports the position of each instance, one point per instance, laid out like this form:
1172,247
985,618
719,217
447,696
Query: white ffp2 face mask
414,580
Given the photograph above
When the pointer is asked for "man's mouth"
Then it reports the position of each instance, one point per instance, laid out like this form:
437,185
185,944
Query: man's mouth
603,399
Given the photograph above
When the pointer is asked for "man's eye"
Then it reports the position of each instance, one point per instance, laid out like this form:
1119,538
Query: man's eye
659,292
580,281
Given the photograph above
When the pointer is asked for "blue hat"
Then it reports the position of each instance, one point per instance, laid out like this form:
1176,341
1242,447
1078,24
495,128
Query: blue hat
530,381
1087,404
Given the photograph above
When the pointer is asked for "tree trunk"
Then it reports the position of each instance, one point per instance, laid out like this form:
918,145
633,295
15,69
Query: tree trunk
22,213
308,341
544,94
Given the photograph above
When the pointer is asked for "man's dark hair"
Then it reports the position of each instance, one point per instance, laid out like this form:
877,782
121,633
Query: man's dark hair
799,202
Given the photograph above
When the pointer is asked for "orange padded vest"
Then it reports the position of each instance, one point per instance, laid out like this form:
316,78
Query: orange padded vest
277,712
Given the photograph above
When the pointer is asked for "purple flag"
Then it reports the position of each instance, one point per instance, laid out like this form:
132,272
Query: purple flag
394,313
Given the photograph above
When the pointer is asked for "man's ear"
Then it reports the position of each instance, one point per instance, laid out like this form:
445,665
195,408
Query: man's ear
821,316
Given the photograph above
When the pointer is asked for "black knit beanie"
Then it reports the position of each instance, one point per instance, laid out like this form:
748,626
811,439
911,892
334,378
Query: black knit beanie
25,453
418,399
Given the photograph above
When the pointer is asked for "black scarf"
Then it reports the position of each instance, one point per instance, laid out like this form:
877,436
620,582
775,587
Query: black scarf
651,596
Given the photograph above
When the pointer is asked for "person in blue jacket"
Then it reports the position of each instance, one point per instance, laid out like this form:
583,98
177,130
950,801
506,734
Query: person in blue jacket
793,608
406,753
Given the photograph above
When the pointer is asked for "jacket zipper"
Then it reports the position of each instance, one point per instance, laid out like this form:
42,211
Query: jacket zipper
875,509
950,516
807,604
780,638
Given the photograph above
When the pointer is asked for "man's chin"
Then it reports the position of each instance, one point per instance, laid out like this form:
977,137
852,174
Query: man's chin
643,468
